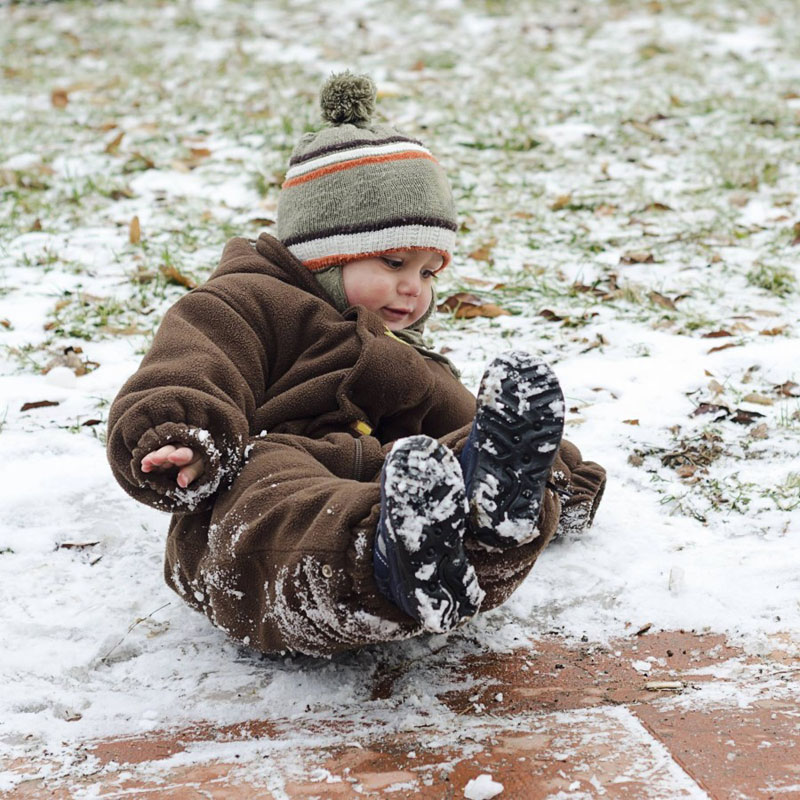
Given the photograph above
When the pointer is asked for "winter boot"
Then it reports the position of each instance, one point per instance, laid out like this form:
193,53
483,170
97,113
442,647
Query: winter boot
419,558
510,450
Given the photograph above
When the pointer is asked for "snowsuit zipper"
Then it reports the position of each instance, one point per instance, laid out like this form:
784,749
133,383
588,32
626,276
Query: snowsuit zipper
358,463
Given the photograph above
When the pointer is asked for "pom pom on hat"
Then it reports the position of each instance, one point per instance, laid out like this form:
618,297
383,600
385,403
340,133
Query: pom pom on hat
348,98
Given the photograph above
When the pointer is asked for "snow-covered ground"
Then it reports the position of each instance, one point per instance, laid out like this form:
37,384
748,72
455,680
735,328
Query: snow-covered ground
629,169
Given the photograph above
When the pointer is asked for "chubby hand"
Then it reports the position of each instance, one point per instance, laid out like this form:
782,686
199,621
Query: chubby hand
189,466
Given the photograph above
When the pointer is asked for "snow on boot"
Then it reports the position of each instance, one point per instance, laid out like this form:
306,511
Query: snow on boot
511,448
419,558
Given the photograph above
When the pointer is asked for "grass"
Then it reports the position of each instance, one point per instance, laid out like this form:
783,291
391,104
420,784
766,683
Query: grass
777,280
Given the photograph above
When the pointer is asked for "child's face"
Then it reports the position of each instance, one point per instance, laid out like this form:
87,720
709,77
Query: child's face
396,285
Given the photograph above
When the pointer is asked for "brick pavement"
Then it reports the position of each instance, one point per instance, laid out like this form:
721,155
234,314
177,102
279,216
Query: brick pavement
657,715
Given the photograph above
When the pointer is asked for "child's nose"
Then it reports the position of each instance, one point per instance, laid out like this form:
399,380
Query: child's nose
411,285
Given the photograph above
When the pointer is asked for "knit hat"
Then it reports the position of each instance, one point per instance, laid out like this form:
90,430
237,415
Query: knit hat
356,189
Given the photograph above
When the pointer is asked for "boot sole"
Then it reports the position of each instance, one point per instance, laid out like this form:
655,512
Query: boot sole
426,511
520,423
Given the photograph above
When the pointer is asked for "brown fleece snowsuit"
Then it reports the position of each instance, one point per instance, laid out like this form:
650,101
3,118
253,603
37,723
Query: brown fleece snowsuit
295,406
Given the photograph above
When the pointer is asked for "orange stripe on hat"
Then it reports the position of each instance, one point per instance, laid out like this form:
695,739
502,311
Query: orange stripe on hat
316,264
356,162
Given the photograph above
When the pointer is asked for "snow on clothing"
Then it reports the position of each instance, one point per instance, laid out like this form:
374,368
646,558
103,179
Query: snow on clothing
295,406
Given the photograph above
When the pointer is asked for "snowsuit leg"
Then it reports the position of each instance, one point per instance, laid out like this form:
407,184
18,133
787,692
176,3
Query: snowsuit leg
283,561
286,560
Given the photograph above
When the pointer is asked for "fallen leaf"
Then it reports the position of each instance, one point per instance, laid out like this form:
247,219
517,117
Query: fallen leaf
174,275
636,257
138,163
604,210
773,331
39,404
112,148
37,225
657,207
484,252
199,152
716,334
70,358
761,431
722,347
262,221
788,389
686,470
716,387
661,300
758,399
631,421
646,627
134,231
743,417
635,460
90,422
550,315
6,323
75,545
709,408
562,201
59,98
643,127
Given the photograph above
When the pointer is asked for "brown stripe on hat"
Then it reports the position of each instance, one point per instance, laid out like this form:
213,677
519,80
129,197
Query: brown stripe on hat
334,148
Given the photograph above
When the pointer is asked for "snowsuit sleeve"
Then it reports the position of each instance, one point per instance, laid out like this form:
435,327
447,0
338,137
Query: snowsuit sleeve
197,386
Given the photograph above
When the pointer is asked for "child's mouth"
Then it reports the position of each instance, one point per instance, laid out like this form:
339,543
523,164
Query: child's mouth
395,314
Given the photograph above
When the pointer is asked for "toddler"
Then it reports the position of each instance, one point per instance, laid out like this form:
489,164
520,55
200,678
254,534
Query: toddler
332,482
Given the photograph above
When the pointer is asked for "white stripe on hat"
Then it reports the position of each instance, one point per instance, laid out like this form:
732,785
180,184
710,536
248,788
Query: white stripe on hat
353,153
400,237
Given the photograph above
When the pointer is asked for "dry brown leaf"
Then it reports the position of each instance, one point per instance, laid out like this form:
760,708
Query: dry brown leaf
686,470
636,257
484,252
562,201
744,417
59,98
523,215
661,300
773,331
134,231
39,404
174,275
6,323
722,347
760,431
788,389
550,315
604,210
631,421
716,334
715,387
112,148
635,460
709,408
657,207
759,399
199,152
262,221
71,358
643,127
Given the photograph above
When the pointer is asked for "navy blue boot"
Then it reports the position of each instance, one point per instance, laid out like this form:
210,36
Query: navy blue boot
510,450
419,559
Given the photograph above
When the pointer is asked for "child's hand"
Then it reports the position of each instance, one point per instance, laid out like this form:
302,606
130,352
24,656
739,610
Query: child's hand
190,466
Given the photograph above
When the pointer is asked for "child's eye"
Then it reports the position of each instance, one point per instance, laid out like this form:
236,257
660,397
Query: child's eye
428,273
394,263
